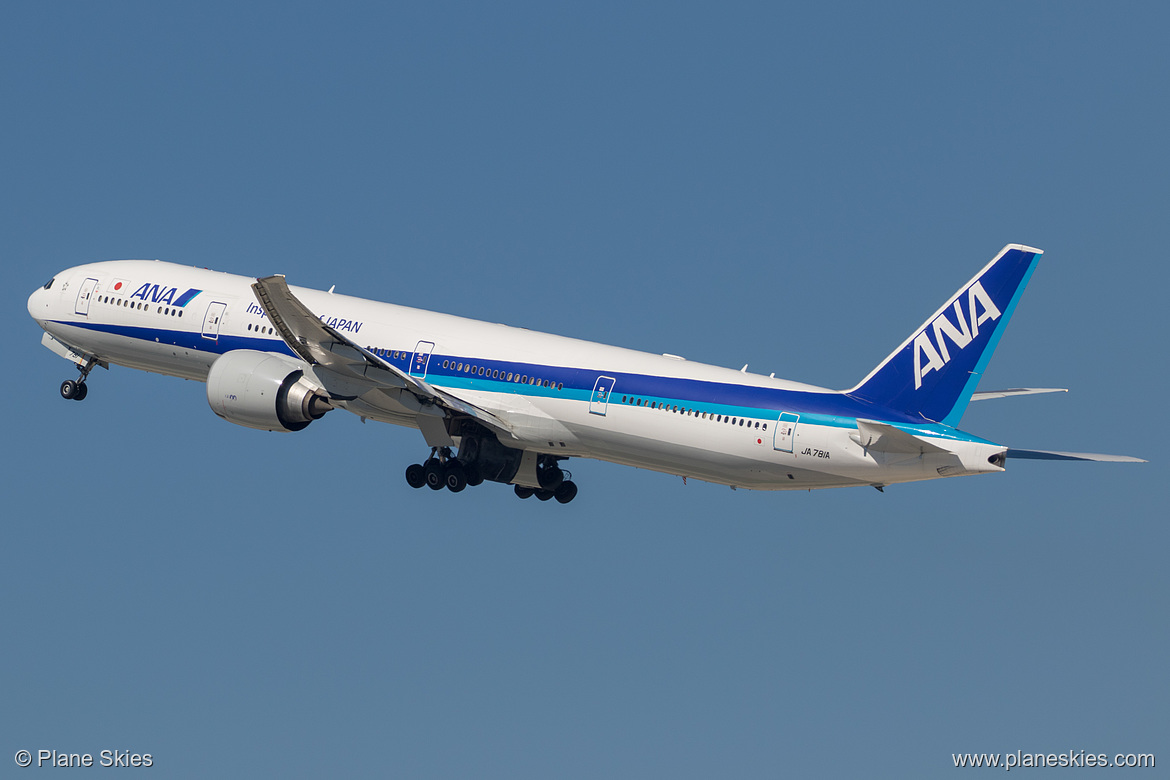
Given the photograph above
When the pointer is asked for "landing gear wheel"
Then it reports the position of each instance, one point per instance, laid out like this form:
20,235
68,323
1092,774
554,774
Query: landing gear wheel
544,495
566,492
435,474
549,475
474,478
524,492
68,389
456,476
82,391
415,476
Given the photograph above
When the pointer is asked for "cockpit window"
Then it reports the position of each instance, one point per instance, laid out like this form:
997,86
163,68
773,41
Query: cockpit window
49,283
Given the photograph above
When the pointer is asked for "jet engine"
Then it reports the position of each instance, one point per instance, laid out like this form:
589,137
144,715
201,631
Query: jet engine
263,390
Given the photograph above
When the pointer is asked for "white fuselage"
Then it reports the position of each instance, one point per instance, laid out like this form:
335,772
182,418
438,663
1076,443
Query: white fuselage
655,412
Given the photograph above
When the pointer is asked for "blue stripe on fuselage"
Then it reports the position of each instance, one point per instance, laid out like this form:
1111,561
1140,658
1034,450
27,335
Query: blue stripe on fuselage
829,409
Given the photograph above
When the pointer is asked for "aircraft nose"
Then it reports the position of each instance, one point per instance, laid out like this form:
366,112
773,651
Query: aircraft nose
38,304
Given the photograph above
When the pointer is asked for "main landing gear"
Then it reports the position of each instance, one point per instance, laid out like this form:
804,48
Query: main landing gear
77,391
443,469
564,493
554,483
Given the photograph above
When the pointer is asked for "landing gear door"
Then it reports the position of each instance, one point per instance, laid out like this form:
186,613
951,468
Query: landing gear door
422,357
83,295
785,432
602,389
212,320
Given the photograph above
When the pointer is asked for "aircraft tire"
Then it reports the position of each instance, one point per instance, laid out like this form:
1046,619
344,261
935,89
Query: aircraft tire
82,391
456,477
474,477
566,492
544,495
415,477
550,477
435,474
523,492
68,389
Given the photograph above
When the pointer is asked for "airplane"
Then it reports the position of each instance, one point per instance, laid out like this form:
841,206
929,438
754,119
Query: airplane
509,405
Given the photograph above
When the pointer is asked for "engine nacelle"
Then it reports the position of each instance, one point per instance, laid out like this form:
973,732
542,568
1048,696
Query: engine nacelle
263,390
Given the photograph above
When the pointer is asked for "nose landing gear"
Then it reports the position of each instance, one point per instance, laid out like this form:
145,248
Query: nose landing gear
77,391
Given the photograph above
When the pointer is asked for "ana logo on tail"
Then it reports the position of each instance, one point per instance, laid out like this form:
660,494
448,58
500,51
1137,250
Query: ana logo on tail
962,334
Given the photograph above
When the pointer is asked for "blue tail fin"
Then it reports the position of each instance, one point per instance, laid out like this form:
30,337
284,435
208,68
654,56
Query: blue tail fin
935,371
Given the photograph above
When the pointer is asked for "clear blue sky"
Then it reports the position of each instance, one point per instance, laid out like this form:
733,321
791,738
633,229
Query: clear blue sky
787,187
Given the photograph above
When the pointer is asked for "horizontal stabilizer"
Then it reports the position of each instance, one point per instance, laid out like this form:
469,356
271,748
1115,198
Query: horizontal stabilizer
873,435
1050,455
983,395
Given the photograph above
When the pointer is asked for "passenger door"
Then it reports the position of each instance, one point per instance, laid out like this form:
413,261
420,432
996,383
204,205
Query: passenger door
785,432
83,296
212,319
599,400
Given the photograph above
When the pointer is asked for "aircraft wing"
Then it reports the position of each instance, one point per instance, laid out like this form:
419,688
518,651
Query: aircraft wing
320,345
983,395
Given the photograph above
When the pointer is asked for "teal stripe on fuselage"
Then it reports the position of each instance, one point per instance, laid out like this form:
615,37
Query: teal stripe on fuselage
576,384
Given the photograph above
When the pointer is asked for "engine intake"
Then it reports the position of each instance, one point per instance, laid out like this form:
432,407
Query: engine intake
263,390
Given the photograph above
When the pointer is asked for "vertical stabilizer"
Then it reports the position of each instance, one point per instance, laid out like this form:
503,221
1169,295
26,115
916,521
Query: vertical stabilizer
934,372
